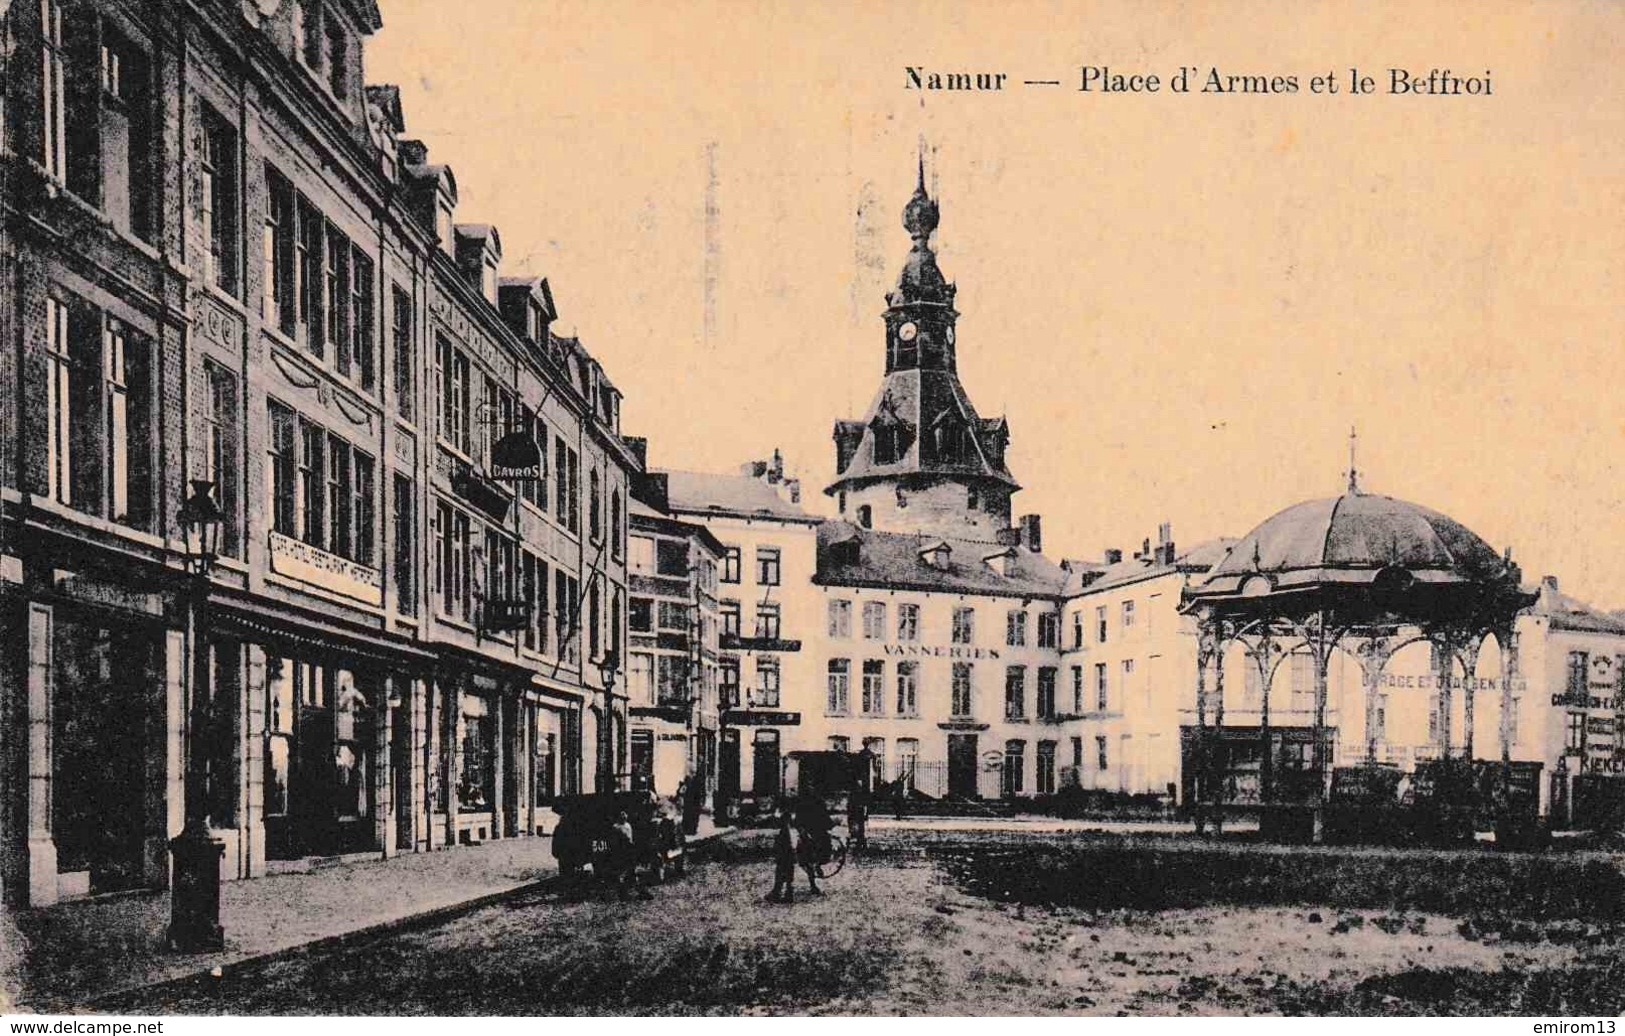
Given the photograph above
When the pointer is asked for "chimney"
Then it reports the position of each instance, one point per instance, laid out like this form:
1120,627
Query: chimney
1549,583
753,469
793,487
775,471
639,447
1032,534
1114,556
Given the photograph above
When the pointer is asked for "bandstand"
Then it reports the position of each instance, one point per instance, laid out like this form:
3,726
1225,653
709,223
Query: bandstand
1362,574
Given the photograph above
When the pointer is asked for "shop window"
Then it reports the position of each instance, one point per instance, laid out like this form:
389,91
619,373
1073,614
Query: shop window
643,758
476,781
544,765
279,734
352,752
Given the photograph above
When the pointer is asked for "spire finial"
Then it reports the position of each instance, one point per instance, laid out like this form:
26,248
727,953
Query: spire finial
921,184
1354,473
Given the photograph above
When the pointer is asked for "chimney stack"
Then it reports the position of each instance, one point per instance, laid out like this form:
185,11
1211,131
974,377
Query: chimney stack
1032,533
414,152
1114,556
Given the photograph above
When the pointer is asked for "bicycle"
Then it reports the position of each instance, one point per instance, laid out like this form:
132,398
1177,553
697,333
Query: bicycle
832,863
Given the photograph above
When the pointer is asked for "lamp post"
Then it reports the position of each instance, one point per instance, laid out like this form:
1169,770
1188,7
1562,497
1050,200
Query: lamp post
607,666
194,896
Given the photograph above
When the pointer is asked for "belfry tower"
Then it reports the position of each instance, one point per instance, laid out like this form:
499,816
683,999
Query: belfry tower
922,460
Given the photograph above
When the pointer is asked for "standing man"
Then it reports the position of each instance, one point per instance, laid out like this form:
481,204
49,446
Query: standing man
784,860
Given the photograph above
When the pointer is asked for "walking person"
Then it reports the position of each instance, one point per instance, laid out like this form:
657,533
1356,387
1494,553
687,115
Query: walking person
857,817
814,824
622,859
784,859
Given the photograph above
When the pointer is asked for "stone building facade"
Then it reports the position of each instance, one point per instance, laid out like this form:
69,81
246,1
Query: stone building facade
231,263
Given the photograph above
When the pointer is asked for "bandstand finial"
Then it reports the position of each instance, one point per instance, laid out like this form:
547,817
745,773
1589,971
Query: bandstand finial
1354,473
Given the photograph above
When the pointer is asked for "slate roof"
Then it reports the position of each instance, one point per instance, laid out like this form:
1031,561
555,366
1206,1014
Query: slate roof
850,556
1091,576
1569,613
695,492
920,399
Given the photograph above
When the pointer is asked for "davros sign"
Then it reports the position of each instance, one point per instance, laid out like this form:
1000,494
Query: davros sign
516,458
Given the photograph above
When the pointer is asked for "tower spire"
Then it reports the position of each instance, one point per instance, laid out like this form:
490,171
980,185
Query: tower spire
1354,473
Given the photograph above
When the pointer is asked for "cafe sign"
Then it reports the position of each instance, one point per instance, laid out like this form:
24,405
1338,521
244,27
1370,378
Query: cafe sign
516,458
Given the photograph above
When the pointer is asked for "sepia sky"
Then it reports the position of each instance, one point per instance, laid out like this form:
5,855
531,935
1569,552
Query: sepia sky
1181,301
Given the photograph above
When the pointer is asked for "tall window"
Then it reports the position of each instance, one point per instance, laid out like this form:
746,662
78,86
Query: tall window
404,365
220,451
1100,624
217,200
1046,768
59,395
728,683
730,565
1046,692
874,687
640,678
362,347
728,614
1575,736
1102,692
767,621
1578,663
617,528
874,620
767,683
962,690
1015,692
595,505
1126,695
1101,762
908,688
840,618
1128,616
1015,628
1077,630
403,534
767,566
1077,689
964,631
284,469
908,758
839,699
908,623
1049,630
1015,762
53,90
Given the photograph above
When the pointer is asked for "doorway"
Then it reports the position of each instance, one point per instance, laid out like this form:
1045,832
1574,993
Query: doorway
962,763
765,764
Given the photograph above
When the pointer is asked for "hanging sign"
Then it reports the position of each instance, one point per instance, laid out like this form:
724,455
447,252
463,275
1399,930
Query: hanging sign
516,458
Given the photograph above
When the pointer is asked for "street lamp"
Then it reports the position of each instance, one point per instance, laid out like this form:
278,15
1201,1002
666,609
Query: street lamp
194,896
607,666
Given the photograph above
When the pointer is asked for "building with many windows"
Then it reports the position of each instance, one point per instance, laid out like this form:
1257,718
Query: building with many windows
230,263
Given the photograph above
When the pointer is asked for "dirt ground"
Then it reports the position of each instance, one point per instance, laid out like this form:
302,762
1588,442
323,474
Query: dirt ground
895,934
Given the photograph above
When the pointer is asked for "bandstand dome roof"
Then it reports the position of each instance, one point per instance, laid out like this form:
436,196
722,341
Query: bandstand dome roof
1348,540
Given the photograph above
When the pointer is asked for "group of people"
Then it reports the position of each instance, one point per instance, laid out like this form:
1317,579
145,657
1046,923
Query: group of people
631,847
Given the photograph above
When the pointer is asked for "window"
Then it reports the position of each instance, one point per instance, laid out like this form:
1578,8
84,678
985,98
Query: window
874,620
283,470
962,691
1578,663
1015,628
1049,630
730,565
864,515
1046,692
404,359
220,450
1045,777
767,621
1077,753
839,700
53,90
1101,762
1015,761
1100,624
642,558
217,200
336,55
908,758
964,630
617,530
59,393
403,534
767,566
728,683
595,505
767,683
1015,692
672,682
839,743
1125,693
477,743
874,688
1077,631
1077,689
908,689
640,678
535,491
908,623
671,558
840,618
1128,616
640,615
674,616
1102,691
728,613
1575,740
454,558
1303,681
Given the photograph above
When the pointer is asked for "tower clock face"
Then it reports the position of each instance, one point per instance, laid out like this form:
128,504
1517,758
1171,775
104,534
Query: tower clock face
907,332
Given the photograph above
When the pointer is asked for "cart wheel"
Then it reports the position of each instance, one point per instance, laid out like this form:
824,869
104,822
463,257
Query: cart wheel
837,858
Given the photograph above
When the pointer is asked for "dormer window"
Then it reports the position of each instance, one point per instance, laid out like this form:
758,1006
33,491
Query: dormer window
937,555
337,56
443,227
488,280
320,40
535,323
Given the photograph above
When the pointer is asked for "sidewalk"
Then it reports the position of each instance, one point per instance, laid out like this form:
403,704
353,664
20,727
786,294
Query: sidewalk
1040,825
63,958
